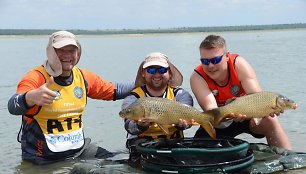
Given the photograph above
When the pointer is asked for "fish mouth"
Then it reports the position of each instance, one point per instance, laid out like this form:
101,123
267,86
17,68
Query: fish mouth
294,106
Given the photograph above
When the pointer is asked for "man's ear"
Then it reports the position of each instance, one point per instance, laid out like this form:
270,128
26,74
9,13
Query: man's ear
227,56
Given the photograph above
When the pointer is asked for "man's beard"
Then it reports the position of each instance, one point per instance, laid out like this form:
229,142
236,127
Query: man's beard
158,86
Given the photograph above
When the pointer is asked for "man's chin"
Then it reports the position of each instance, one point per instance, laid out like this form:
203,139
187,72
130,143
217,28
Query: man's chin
159,87
213,75
67,68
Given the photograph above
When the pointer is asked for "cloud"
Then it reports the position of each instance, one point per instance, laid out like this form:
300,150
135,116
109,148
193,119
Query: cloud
119,14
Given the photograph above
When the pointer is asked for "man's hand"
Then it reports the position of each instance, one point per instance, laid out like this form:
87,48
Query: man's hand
238,117
143,123
42,95
182,124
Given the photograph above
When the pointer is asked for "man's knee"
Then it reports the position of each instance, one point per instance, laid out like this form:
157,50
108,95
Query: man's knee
266,125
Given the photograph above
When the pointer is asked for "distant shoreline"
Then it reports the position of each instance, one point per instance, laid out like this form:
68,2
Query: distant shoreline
155,31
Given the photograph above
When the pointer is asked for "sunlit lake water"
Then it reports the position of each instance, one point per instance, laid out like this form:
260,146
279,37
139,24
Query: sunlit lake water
278,58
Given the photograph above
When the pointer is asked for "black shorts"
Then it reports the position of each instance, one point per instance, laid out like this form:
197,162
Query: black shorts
236,128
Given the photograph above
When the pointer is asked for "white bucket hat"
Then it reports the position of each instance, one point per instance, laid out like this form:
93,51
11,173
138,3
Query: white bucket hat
159,59
58,40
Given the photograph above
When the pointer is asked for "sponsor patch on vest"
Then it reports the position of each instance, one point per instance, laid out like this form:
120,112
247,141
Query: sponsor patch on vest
235,90
65,141
66,137
78,92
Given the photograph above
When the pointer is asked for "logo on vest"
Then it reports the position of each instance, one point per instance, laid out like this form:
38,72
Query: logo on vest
235,90
78,92
72,138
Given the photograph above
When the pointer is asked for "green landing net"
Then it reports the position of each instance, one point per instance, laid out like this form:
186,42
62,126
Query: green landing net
195,155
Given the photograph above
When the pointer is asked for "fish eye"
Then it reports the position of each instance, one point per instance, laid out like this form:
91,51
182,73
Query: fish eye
284,98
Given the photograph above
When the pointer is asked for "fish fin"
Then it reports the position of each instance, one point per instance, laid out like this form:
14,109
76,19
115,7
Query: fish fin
216,116
257,121
147,120
209,128
163,128
229,100
208,123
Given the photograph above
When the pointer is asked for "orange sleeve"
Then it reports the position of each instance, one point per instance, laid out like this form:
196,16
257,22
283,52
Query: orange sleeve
97,87
32,80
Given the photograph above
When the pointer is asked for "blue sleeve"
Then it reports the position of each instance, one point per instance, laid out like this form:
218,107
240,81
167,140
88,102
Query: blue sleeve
128,101
123,90
17,104
183,96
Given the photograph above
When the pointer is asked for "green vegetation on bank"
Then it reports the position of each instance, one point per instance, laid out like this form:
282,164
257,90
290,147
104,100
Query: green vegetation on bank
151,31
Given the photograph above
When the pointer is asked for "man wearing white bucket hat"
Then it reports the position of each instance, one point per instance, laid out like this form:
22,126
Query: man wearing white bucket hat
51,99
156,77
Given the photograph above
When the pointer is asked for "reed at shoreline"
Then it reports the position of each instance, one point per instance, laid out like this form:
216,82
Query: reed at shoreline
154,31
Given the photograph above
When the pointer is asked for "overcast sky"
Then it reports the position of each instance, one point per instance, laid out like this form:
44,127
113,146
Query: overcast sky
143,14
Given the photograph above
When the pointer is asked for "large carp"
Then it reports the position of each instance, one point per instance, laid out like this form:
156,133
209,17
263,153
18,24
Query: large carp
167,112
255,105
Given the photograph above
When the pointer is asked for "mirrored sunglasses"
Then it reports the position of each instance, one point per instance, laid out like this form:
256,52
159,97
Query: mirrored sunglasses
214,60
153,70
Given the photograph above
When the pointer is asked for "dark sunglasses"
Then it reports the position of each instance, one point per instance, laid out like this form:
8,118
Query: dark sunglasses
153,70
214,60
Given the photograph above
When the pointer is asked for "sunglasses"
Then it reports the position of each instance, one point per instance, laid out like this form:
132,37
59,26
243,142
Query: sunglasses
214,60
153,70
